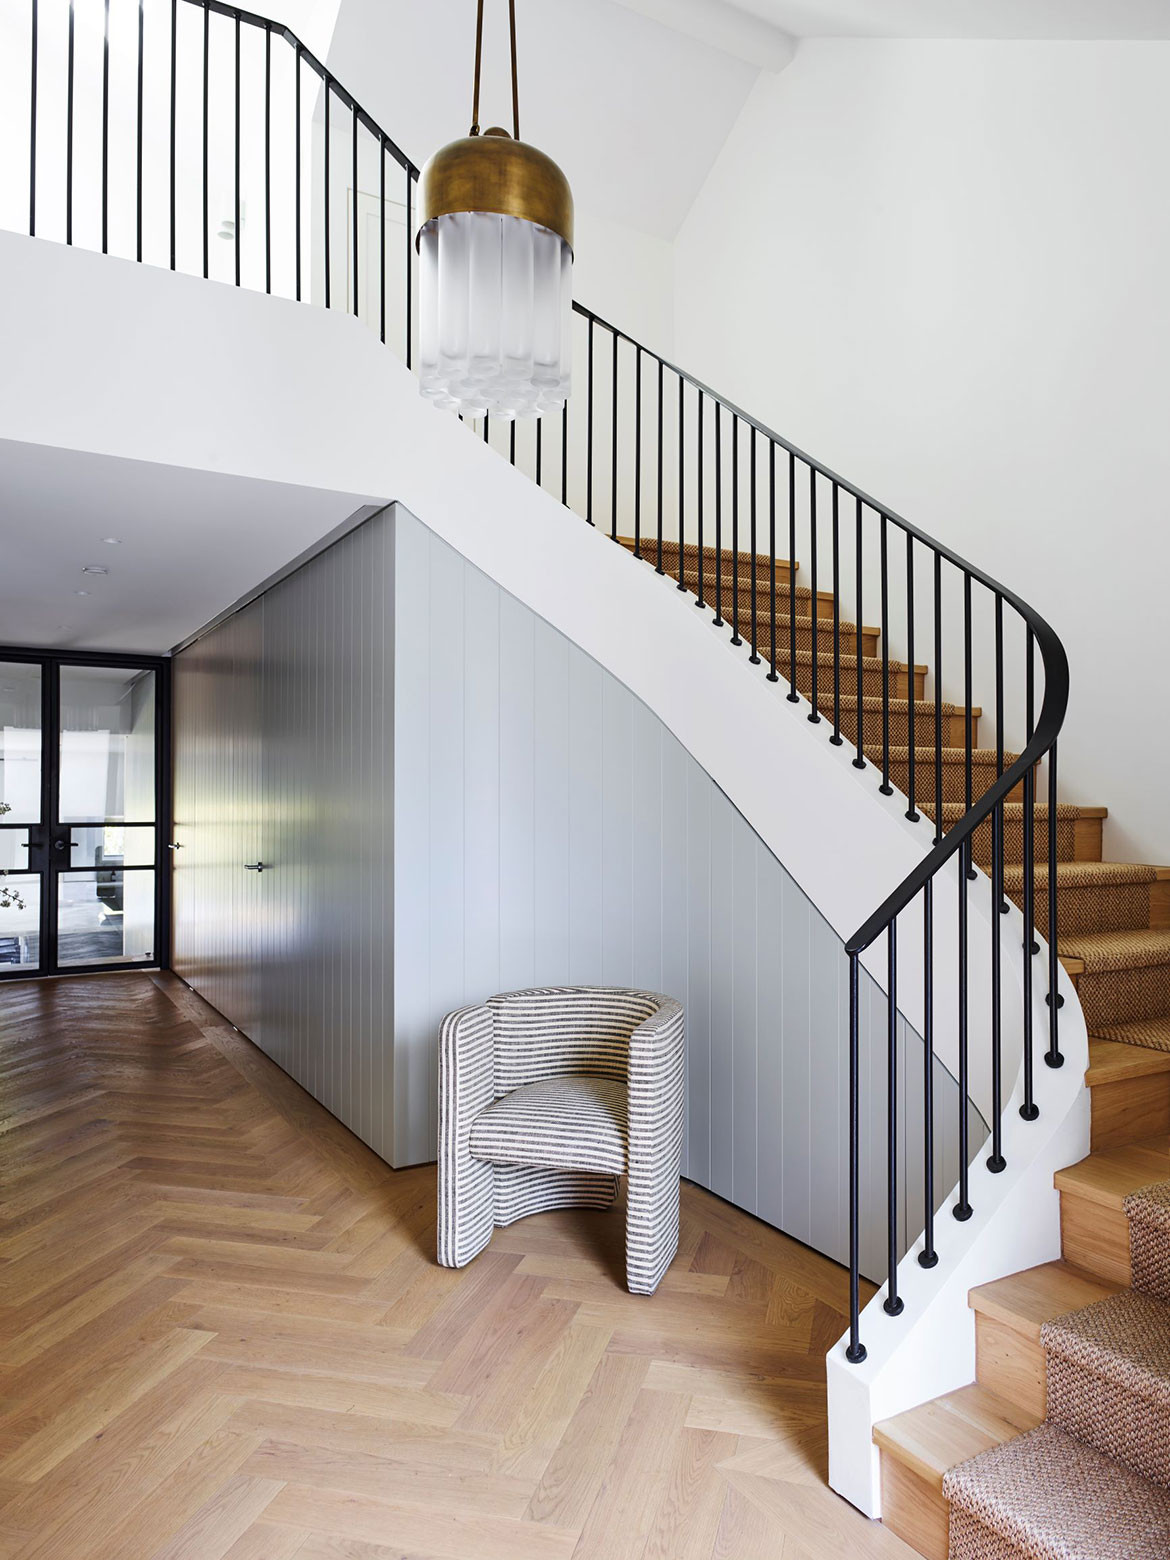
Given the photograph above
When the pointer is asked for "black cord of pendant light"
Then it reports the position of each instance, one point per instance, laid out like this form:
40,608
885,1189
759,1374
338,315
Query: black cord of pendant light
478,69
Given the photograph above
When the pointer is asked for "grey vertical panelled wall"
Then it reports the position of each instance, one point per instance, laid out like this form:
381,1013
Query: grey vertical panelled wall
451,799
549,828
283,719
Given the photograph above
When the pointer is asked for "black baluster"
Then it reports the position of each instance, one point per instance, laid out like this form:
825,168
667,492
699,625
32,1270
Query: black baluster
754,658
658,569
237,156
814,713
296,166
589,429
106,130
885,788
928,1256
206,112
962,1209
565,454
735,636
539,447
836,739
700,602
773,674
1052,1056
382,241
718,619
613,437
793,696
268,169
997,840
328,96
1029,1110
681,484
486,428
353,239
855,1352
939,826
32,125
137,138
893,1304
996,1162
174,83
409,268
638,454
512,442
69,132
859,761
912,811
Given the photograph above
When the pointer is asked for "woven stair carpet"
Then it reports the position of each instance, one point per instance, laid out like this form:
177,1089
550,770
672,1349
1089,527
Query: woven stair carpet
1126,976
1048,1496
1093,1481
1092,896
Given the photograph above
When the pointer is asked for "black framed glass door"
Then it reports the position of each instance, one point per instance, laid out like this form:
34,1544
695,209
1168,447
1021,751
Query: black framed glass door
83,812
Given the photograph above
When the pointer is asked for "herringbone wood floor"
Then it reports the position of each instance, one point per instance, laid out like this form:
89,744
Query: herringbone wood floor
224,1334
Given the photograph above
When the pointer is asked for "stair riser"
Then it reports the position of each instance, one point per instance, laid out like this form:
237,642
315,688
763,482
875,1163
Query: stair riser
1106,1415
649,550
1130,1110
1095,1237
953,728
1073,842
804,637
1010,1364
871,687
1115,908
914,1509
954,781
1122,996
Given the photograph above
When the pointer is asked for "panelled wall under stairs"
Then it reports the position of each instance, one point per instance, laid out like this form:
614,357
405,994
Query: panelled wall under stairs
449,798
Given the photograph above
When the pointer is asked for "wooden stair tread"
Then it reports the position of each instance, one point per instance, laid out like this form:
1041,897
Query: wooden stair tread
647,548
933,1437
1099,952
1080,874
1025,1301
1015,810
1109,1175
1112,1061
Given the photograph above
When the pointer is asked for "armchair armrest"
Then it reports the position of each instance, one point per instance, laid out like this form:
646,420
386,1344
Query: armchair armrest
466,1086
656,1103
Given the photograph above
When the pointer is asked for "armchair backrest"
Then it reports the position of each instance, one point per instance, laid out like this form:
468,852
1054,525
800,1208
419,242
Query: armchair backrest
554,1030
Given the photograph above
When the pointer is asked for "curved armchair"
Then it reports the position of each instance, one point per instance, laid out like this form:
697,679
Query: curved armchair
546,1099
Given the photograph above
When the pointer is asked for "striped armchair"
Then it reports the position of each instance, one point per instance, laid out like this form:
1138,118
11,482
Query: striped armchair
546,1099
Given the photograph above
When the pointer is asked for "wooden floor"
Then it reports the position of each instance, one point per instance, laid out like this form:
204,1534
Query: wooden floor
224,1334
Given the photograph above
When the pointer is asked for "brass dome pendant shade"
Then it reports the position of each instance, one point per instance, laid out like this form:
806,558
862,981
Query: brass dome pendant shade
495,245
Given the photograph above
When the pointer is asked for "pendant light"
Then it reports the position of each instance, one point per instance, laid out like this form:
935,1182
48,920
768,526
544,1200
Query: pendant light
495,245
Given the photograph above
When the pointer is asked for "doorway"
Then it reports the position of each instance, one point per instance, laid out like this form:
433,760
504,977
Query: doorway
84,744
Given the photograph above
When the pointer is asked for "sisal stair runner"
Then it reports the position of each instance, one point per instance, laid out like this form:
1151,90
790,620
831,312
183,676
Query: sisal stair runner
1091,1483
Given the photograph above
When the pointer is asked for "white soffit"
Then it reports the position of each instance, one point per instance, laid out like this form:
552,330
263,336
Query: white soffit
993,19
743,31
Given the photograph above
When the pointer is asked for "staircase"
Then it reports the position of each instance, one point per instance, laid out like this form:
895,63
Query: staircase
1085,1341
1031,1478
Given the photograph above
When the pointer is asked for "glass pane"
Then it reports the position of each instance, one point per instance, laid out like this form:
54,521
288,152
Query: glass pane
20,921
13,850
107,744
111,845
20,742
103,915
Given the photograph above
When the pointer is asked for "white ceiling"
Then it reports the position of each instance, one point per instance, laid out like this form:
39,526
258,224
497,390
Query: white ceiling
925,18
634,111
191,544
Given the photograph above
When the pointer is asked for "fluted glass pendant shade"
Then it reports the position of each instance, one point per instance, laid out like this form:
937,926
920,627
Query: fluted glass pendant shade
495,301
495,245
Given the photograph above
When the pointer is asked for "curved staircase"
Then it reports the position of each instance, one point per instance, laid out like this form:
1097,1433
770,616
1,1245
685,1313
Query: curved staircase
982,1474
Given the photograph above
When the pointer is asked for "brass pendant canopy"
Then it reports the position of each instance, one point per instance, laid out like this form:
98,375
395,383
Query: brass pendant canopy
494,173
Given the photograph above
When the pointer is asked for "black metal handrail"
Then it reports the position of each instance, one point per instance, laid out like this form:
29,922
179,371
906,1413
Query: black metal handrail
707,483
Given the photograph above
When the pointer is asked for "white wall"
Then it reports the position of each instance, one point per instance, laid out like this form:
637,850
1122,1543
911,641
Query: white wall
941,268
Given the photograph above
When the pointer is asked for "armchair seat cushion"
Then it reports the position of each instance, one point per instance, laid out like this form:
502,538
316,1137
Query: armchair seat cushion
567,1123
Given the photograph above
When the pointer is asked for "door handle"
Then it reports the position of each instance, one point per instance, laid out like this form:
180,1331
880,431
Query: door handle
175,846
257,866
